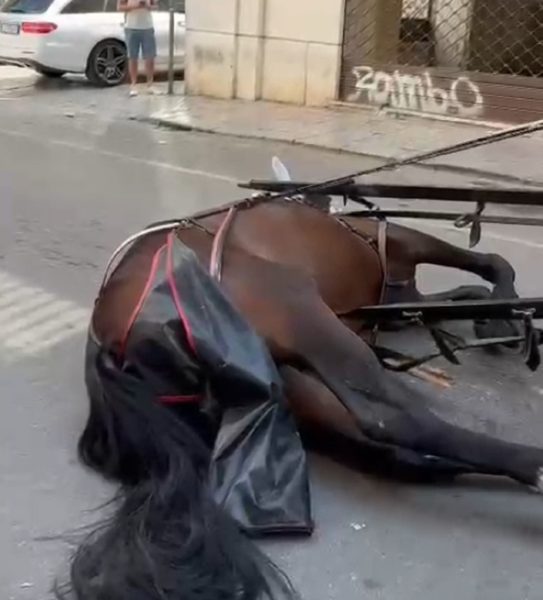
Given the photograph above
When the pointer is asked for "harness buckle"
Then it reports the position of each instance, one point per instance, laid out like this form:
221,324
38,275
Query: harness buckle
475,220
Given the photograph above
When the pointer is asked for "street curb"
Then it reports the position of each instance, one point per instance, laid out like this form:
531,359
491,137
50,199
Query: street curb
174,126
10,85
16,82
437,166
406,113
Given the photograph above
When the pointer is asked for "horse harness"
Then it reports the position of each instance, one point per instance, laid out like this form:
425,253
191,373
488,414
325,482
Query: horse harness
220,236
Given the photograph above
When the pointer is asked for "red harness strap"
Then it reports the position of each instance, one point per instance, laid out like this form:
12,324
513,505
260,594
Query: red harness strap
167,250
180,399
143,297
382,249
217,250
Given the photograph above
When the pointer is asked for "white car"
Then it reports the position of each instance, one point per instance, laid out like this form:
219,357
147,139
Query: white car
81,36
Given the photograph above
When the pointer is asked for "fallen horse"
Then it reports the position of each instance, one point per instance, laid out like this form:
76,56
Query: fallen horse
219,344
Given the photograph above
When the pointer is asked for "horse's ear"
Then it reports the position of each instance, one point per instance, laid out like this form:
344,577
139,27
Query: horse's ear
279,170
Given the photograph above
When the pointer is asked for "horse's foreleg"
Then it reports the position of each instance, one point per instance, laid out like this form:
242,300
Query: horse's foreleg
462,292
387,412
413,247
408,248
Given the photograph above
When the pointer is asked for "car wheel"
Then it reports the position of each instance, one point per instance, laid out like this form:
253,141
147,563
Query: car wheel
53,73
107,63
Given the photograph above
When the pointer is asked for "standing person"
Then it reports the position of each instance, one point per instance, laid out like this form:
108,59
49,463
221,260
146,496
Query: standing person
139,34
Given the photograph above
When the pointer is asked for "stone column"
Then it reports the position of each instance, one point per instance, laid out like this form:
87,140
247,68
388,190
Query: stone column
250,38
211,47
279,50
302,51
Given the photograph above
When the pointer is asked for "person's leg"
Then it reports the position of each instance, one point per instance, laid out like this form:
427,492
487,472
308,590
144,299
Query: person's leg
133,42
149,55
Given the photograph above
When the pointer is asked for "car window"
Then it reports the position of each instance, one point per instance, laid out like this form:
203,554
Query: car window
84,6
25,6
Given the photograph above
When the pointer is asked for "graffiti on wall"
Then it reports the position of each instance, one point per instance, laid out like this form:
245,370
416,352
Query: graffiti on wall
405,91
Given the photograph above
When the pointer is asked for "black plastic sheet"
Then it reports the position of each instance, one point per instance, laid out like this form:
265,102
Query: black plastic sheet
203,358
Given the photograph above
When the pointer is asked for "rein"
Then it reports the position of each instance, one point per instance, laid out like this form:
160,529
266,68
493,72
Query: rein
221,235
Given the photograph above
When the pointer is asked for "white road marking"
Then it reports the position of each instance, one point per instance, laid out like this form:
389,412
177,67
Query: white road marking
33,320
13,297
119,156
218,176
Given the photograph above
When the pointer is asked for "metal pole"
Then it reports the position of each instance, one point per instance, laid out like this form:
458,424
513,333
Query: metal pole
171,48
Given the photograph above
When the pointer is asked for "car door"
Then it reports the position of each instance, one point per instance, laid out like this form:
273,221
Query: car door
162,29
161,21
88,22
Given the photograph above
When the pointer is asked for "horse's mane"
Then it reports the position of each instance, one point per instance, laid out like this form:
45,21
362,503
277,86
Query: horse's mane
166,538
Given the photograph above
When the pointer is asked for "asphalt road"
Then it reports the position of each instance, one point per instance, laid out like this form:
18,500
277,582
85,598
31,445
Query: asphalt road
77,176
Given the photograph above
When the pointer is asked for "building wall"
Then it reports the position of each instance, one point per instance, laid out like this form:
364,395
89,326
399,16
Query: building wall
468,59
372,37
276,50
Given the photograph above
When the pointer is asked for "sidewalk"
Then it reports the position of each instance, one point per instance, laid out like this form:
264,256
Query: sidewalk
359,131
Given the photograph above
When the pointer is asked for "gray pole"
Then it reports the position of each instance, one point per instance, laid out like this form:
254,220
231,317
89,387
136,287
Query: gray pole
171,48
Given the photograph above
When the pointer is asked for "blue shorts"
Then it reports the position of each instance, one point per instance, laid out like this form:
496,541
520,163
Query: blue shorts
140,38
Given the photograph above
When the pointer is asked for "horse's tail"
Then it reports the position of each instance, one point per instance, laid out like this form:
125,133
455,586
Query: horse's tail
166,540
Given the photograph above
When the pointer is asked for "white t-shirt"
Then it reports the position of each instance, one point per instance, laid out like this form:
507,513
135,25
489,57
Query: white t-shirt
140,18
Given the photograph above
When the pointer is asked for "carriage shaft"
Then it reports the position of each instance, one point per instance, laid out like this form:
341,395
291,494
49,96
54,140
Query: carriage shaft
520,196
453,310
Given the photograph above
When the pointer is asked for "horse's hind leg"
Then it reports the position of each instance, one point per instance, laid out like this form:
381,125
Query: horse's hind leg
388,412
327,427
285,308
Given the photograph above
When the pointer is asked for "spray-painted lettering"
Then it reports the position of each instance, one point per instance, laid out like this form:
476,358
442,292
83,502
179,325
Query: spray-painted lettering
404,91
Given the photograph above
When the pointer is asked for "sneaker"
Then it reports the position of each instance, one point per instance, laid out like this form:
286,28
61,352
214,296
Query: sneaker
152,91
133,92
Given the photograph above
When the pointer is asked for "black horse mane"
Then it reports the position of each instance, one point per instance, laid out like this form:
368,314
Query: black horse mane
166,539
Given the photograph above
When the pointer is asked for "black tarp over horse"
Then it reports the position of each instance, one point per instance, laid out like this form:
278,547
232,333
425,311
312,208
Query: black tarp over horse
187,341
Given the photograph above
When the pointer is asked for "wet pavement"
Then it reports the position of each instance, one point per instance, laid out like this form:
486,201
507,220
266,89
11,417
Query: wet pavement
356,130
79,173
368,132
